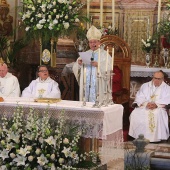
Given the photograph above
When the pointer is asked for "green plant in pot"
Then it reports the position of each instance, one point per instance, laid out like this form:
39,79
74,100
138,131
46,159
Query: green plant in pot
164,28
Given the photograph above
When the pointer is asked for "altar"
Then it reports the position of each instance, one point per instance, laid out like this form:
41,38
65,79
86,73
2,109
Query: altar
103,123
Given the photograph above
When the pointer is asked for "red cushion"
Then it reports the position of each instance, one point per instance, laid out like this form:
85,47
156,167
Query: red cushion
117,79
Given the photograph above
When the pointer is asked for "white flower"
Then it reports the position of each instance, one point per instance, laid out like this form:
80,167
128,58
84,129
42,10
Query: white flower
52,156
39,1
66,25
20,160
66,17
65,141
39,15
33,8
30,158
13,136
55,21
4,154
77,20
57,16
54,3
53,167
12,155
61,160
51,141
66,151
23,151
42,160
29,148
38,151
70,7
54,10
39,26
3,167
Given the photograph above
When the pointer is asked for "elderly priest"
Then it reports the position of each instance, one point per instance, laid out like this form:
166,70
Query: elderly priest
43,86
88,76
9,85
150,116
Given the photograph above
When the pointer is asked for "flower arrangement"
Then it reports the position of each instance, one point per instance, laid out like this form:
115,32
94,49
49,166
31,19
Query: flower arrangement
51,18
31,142
149,44
164,25
109,31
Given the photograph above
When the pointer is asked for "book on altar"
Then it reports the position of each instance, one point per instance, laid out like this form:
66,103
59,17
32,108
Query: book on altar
86,57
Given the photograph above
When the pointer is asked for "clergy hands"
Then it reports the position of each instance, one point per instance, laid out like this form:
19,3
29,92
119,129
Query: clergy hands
80,61
151,106
94,63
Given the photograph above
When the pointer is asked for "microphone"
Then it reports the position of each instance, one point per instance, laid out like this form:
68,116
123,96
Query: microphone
92,58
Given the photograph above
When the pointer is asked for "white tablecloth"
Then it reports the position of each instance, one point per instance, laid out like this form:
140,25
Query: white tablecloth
143,71
107,120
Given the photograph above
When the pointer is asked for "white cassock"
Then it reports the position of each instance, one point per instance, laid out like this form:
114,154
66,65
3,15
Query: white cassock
9,86
91,77
42,89
153,124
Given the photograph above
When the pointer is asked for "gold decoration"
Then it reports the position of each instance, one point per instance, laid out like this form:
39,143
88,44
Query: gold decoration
46,56
48,100
1,61
151,121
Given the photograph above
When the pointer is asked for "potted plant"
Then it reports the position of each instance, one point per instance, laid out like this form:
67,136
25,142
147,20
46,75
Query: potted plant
164,29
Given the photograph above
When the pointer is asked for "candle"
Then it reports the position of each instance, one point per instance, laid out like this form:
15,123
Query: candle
98,68
113,13
159,11
101,13
112,57
88,12
107,58
84,75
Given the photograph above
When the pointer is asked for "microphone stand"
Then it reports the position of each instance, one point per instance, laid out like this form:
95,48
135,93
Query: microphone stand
92,59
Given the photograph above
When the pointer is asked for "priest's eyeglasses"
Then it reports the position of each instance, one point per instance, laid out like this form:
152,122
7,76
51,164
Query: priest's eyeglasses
43,71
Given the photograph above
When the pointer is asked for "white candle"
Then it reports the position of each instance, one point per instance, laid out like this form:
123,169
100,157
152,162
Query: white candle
159,11
101,13
88,12
84,75
107,58
112,57
113,13
98,66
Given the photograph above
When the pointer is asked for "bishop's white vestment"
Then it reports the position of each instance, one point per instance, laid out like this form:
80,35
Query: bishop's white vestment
42,89
91,86
9,86
153,124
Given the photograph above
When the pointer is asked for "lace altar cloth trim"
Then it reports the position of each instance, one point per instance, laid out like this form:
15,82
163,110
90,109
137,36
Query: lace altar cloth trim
142,71
96,119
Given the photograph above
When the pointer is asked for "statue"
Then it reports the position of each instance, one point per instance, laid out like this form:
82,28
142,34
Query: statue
140,143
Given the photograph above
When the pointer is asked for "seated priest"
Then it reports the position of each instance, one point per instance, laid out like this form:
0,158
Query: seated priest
90,77
43,86
150,116
9,85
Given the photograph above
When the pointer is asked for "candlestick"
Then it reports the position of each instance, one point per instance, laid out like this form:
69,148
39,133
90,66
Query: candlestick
98,66
112,57
101,13
107,58
113,13
88,12
159,11
84,76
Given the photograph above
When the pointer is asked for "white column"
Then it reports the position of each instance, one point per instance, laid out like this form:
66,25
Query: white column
101,13
113,13
159,11
88,12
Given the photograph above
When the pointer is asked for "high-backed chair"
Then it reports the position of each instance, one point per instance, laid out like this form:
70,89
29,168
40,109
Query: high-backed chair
122,62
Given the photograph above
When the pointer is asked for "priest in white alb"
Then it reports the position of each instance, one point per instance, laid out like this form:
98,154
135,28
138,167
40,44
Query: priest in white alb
96,65
43,86
9,85
150,116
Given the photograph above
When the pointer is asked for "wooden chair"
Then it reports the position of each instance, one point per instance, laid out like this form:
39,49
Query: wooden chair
122,62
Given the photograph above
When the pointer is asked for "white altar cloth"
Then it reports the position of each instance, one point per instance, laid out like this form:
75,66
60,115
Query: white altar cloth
143,71
107,120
